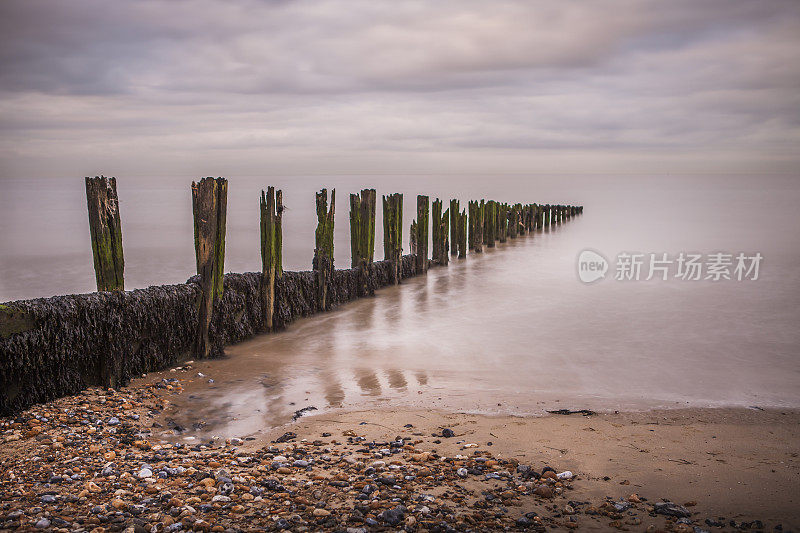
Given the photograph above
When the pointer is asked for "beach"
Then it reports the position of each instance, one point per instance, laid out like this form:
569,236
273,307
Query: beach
92,462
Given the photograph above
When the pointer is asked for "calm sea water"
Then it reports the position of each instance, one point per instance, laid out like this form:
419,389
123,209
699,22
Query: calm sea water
511,330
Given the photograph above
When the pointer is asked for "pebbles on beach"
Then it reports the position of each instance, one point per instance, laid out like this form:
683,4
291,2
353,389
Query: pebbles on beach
84,463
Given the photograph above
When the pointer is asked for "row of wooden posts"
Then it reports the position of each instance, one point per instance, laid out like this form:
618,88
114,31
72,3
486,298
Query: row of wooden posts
453,232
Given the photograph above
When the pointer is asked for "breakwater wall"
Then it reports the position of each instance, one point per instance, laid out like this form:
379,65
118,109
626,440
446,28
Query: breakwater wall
64,344
50,347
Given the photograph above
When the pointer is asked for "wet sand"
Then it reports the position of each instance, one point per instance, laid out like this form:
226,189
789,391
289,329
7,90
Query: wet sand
739,464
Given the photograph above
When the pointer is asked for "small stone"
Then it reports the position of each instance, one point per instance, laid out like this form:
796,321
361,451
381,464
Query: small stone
48,498
462,472
543,491
448,433
113,421
671,509
220,499
321,512
43,523
144,473
118,504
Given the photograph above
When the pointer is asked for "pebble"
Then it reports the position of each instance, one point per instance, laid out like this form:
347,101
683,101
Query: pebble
42,523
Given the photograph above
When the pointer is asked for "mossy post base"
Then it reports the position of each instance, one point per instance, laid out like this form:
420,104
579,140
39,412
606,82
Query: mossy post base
271,257
105,229
323,251
209,206
362,234
440,224
461,234
393,232
455,221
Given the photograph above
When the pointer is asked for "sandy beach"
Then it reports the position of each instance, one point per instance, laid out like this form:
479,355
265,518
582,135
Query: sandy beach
92,462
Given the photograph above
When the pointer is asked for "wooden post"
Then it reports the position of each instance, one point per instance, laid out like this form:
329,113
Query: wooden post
436,231
547,216
323,251
105,230
393,232
209,206
362,235
502,220
420,232
440,229
471,211
455,222
480,215
489,223
444,224
462,234
271,242
513,221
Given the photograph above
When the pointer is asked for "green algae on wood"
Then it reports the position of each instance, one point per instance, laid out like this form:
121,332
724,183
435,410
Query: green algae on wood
393,233
323,251
421,236
271,209
209,206
439,232
362,235
105,229
455,220
462,234
362,228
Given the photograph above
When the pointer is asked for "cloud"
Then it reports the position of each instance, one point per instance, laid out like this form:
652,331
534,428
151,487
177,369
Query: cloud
214,81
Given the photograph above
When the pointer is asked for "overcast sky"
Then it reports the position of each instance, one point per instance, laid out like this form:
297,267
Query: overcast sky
283,87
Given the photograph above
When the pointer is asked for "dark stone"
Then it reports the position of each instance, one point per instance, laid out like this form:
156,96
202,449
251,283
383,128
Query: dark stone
392,516
448,433
671,509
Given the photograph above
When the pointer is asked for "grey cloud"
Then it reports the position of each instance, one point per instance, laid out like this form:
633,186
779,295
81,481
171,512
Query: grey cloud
273,81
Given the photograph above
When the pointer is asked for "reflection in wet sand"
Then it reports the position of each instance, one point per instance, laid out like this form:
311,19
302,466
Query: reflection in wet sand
397,380
368,381
334,393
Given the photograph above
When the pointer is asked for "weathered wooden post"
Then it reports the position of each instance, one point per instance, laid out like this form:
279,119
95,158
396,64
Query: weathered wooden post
209,206
393,233
444,259
471,210
480,215
323,251
513,221
362,235
420,232
440,227
105,230
547,216
271,242
502,222
436,231
462,235
489,223
455,222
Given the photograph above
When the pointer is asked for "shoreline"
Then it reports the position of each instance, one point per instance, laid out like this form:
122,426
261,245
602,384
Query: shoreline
721,465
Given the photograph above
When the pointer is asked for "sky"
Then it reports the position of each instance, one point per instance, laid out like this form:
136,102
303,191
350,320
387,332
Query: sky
154,88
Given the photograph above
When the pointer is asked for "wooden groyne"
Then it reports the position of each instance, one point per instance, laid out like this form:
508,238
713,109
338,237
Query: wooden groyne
50,347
